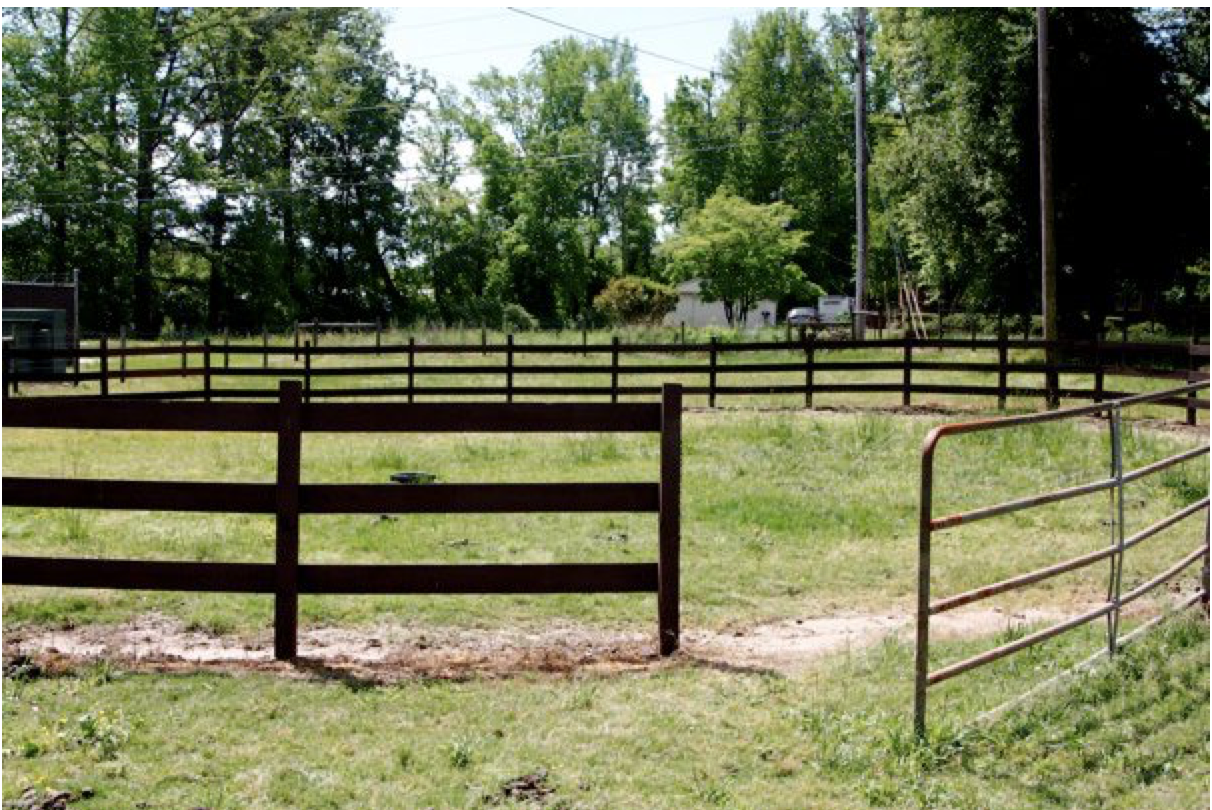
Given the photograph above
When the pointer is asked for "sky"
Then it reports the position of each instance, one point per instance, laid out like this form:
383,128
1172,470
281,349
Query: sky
456,44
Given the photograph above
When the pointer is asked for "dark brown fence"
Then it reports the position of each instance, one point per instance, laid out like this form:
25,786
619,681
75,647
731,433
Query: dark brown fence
1116,599
806,364
287,499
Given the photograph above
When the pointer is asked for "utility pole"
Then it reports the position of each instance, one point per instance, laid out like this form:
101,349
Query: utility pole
860,173
1047,212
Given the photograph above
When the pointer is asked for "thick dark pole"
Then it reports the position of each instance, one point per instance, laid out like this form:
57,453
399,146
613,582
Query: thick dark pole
670,530
286,557
1047,214
860,173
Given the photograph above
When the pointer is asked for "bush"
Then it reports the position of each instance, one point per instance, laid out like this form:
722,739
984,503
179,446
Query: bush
515,318
635,300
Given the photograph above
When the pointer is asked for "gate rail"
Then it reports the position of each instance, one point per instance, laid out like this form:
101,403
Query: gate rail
1116,599
286,498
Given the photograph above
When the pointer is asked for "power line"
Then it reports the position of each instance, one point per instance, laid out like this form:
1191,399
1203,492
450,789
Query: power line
610,40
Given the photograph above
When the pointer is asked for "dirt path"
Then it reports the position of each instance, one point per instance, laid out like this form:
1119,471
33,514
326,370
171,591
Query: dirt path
392,653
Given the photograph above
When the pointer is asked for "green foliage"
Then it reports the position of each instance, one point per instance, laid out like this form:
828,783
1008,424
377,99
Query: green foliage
633,300
741,253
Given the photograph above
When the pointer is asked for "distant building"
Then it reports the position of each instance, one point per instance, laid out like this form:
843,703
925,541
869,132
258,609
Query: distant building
692,310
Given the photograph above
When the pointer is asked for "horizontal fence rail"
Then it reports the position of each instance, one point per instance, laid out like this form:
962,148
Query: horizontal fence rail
412,370
287,499
1116,599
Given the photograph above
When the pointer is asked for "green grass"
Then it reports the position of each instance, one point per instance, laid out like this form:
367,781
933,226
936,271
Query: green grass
785,514
1132,734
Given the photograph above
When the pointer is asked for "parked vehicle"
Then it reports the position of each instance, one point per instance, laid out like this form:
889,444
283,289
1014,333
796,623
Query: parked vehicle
801,316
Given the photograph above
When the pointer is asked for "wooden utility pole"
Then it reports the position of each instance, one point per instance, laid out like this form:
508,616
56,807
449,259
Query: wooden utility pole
1047,213
860,173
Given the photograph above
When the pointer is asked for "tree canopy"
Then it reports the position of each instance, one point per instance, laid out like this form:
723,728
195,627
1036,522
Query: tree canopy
209,168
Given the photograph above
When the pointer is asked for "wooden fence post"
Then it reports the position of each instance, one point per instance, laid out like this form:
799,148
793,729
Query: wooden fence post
1051,377
669,561
307,371
296,341
226,348
122,359
264,347
1192,376
614,369
809,363
206,369
1099,373
315,333
378,337
509,367
683,333
907,373
711,379
584,337
184,355
286,545
484,341
104,345
1003,374
412,366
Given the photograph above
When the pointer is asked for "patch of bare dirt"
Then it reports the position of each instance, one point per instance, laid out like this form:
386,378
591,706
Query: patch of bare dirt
392,653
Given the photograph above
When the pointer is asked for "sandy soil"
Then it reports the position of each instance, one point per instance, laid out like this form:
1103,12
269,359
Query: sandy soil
391,653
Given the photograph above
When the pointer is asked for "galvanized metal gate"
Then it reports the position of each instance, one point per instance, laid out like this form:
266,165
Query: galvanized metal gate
1120,541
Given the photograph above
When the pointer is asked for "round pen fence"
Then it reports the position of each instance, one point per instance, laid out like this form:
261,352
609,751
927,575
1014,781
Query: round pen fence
909,369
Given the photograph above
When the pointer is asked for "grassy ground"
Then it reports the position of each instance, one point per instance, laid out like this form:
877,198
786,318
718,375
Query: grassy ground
1128,735
786,514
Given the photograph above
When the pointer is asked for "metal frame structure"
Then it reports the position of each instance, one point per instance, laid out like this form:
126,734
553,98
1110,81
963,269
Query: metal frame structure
1120,543
287,499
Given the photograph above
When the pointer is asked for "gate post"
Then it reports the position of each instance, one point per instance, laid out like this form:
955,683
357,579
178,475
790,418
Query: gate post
925,526
670,519
286,552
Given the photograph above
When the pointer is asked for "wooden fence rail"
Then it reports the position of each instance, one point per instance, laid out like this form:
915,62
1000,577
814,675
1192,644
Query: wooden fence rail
286,498
808,360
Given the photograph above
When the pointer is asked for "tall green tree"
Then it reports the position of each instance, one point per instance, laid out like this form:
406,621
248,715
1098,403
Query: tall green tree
566,159
740,252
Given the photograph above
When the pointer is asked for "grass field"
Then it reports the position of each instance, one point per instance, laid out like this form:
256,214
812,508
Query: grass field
785,514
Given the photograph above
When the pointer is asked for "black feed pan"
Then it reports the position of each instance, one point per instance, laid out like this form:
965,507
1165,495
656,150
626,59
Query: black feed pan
413,477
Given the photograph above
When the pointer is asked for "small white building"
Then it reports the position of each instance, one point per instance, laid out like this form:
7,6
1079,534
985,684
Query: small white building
692,310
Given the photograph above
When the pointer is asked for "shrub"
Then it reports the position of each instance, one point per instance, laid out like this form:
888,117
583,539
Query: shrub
515,318
635,300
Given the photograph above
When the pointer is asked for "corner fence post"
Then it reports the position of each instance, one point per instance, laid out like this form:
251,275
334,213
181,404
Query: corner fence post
670,518
1114,586
809,370
206,369
907,373
921,661
614,369
286,548
104,366
711,383
509,367
307,371
412,367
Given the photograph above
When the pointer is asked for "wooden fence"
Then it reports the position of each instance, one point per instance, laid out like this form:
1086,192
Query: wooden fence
287,499
807,360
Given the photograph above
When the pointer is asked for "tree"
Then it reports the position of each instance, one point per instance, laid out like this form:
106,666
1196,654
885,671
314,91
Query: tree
741,253
775,126
567,165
